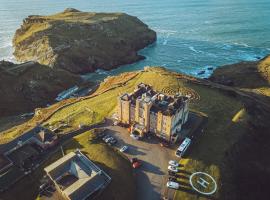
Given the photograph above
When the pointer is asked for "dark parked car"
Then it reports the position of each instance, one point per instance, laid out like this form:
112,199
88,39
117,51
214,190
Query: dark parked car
105,137
112,141
173,179
171,173
101,135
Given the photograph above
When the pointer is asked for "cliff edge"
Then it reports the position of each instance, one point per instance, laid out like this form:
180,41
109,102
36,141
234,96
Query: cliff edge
254,74
24,87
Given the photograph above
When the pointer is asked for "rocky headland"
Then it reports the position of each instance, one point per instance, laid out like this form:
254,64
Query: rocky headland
82,42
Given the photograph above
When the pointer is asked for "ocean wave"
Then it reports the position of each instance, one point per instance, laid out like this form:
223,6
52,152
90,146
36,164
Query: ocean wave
195,50
165,42
250,57
212,55
207,22
241,44
226,47
10,58
165,31
7,44
101,71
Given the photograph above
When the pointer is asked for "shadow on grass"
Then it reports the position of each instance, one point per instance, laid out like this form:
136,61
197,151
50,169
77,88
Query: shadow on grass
122,185
145,189
185,172
193,192
148,167
182,177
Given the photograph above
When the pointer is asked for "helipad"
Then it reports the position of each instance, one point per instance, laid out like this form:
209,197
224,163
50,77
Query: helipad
203,183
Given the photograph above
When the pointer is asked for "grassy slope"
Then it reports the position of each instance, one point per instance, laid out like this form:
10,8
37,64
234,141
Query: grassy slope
209,152
115,165
254,76
67,17
221,132
27,86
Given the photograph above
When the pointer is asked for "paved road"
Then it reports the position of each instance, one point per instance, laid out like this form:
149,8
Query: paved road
152,177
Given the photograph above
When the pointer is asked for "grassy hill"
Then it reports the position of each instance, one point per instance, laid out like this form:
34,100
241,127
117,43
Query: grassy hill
222,151
253,76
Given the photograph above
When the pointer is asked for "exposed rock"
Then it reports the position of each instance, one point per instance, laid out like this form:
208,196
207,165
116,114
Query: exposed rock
82,42
245,74
29,85
201,72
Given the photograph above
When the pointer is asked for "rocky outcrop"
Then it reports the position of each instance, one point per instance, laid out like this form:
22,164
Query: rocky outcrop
245,74
81,42
29,85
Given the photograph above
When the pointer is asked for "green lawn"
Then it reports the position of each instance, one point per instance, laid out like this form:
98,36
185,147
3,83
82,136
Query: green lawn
207,154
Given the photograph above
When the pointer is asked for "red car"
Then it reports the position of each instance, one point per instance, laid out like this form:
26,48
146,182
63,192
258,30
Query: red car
136,164
133,160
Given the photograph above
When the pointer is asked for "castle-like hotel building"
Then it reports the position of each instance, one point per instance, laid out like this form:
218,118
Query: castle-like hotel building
149,111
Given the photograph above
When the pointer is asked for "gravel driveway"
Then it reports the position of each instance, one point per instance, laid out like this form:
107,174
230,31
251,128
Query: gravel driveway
152,177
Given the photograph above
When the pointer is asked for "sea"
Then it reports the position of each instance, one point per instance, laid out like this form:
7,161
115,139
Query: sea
193,35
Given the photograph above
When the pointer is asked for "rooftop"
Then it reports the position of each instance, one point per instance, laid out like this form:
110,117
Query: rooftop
23,153
77,176
168,105
45,135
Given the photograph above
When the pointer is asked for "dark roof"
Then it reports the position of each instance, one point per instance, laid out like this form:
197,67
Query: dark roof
89,187
66,180
77,176
23,153
45,136
168,105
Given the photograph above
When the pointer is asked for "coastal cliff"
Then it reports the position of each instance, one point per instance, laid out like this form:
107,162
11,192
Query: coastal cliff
254,74
24,87
82,42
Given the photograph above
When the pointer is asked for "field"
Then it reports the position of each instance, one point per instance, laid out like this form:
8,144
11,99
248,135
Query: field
227,123
221,133
207,154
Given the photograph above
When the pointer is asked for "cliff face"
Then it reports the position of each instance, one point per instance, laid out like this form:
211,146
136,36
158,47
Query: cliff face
82,42
245,74
26,86
254,78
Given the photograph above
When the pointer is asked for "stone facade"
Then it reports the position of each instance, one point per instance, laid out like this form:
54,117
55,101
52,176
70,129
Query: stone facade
149,111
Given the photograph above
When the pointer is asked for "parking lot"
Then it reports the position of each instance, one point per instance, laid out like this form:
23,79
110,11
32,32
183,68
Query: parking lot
152,176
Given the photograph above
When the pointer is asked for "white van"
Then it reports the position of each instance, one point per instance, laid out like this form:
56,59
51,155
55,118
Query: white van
183,147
